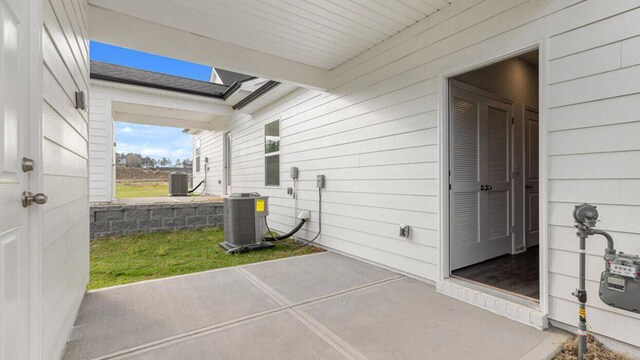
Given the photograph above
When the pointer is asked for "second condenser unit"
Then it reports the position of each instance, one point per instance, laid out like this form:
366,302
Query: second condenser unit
178,184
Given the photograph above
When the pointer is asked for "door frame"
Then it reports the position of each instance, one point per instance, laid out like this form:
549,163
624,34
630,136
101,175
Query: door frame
443,125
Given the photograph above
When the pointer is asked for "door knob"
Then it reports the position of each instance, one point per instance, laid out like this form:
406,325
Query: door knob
489,187
28,198
483,188
528,186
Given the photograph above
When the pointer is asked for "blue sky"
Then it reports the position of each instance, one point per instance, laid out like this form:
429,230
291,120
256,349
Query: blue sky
153,141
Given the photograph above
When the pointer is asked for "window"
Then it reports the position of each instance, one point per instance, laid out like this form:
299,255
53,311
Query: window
272,153
198,155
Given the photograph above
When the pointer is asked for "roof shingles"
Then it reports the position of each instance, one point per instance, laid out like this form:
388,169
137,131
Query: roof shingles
127,75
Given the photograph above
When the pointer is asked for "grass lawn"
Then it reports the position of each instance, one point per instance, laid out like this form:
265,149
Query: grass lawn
141,189
131,258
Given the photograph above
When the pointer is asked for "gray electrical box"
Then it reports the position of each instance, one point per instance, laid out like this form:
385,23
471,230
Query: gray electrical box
244,221
293,172
320,182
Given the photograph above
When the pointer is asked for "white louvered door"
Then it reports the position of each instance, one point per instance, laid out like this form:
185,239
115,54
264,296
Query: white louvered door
466,131
498,178
479,154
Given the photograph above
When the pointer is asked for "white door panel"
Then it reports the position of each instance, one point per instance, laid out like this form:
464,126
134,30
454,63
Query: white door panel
498,177
14,122
480,155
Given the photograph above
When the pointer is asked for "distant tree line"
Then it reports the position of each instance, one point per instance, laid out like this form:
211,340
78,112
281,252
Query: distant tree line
138,161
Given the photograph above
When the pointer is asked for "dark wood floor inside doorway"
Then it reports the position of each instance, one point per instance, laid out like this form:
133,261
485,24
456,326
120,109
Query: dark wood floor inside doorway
515,273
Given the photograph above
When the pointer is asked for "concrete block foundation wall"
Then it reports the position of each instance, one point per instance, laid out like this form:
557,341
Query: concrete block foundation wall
115,220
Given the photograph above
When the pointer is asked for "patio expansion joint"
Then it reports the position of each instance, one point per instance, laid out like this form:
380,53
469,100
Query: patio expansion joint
309,321
137,350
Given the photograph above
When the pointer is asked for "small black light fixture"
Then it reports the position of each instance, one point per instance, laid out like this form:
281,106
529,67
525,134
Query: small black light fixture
81,101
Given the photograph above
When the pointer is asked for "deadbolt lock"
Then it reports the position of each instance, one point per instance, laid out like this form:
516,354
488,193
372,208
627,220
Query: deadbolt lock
28,198
27,164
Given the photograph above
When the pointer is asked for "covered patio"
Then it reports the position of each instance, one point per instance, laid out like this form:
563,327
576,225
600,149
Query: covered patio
321,306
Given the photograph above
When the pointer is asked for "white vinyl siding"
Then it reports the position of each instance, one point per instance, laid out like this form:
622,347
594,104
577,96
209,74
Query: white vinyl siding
65,268
211,147
375,137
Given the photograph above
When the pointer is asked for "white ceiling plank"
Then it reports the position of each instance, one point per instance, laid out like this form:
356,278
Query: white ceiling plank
126,31
383,10
372,24
420,6
402,8
196,21
370,13
295,17
321,15
439,4
283,28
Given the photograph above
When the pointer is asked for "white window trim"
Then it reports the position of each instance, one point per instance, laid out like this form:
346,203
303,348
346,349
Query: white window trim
264,146
197,152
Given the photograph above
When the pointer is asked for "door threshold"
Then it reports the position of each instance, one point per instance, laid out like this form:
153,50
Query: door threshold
523,310
526,300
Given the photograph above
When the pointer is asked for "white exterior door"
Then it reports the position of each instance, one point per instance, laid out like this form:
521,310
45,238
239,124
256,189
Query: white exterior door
480,178
14,127
531,192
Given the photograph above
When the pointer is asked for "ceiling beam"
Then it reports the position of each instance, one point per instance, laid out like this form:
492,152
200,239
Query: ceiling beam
218,125
126,31
140,95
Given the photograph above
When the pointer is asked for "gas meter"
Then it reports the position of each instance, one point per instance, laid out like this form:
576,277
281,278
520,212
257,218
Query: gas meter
620,280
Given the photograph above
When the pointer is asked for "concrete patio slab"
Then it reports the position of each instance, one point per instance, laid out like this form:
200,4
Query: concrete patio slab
125,317
311,277
276,336
405,319
321,306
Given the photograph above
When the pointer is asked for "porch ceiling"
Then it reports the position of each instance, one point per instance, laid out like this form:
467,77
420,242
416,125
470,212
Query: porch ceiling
319,34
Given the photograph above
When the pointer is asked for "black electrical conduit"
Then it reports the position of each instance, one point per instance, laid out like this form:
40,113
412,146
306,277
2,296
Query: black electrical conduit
195,188
298,227
287,235
204,181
